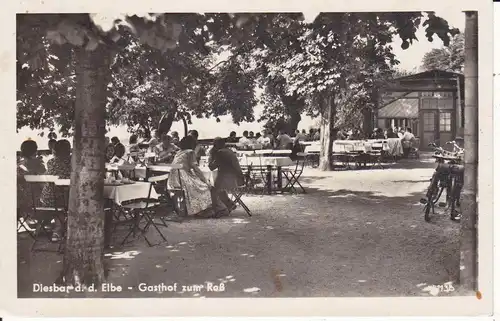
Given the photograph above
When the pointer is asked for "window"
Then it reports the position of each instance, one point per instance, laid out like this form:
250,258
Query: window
445,122
429,124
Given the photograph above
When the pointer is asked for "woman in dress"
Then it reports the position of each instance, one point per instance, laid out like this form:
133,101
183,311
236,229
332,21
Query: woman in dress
196,187
59,166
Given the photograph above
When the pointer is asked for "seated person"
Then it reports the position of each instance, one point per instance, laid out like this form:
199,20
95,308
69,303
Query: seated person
244,141
134,147
283,141
175,138
266,140
110,150
232,138
391,133
165,151
196,188
59,166
229,176
28,164
407,141
199,151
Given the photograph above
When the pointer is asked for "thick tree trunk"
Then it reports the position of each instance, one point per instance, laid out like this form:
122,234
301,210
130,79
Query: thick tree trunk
184,122
83,257
367,121
294,121
327,122
468,231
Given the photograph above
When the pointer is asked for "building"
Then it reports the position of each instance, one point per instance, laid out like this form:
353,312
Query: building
430,103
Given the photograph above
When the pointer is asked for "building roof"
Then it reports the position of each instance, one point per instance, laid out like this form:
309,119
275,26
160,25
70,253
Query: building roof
400,108
432,74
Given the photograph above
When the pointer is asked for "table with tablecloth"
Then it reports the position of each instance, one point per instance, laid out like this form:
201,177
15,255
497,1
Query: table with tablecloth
395,146
126,192
140,171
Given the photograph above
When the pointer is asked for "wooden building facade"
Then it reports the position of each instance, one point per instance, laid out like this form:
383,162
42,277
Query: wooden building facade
430,103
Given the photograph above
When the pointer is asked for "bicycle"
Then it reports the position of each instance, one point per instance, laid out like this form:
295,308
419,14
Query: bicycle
447,176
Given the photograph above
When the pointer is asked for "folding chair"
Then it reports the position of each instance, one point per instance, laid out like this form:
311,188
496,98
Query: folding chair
43,214
145,210
376,155
237,194
292,175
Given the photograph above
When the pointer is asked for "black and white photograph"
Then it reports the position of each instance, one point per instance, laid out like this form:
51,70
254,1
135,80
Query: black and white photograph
220,155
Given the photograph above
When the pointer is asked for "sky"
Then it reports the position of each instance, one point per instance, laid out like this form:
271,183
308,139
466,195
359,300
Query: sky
410,59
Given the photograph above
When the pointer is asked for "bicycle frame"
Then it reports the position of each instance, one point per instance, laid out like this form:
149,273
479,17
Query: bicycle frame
448,175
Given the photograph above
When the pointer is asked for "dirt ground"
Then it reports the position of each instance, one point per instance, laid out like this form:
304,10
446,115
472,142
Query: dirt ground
355,233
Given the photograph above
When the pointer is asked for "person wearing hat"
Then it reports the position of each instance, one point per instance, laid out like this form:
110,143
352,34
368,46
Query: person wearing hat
229,176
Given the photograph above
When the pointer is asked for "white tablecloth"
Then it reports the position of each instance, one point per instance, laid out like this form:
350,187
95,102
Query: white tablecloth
127,192
266,161
140,171
395,148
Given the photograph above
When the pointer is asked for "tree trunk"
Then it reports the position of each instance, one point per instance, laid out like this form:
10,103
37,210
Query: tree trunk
468,231
294,121
327,122
367,121
184,122
84,255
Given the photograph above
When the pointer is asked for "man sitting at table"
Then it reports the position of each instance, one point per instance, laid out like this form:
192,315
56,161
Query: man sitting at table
391,133
165,151
229,176
244,140
283,141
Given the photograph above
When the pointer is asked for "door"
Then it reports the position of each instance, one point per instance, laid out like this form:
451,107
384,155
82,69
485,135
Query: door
446,129
429,128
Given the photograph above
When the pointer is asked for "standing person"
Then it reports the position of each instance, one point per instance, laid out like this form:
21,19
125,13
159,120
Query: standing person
407,141
229,176
199,151
197,190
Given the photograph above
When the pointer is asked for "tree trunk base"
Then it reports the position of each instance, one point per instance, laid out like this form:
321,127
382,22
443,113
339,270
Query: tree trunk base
82,269
468,244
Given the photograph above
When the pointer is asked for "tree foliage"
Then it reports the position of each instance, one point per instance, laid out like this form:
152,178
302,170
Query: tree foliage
448,58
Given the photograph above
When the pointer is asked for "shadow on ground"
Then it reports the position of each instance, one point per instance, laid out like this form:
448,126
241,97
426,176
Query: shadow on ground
357,233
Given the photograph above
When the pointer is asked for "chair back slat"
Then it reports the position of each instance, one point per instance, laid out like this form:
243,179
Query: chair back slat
158,178
63,182
41,178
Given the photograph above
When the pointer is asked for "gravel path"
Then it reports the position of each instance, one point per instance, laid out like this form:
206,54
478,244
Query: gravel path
355,233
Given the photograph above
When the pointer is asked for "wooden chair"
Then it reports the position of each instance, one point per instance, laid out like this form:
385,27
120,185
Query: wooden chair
145,211
292,175
375,155
44,215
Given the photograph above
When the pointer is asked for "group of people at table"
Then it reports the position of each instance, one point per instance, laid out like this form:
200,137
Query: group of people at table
202,197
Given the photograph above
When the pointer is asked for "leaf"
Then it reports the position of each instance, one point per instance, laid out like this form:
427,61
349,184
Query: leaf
74,35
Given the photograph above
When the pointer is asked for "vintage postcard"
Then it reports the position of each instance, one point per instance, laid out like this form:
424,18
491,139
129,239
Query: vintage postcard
260,159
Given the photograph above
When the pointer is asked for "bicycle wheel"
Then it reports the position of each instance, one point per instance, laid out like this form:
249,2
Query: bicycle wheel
433,195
